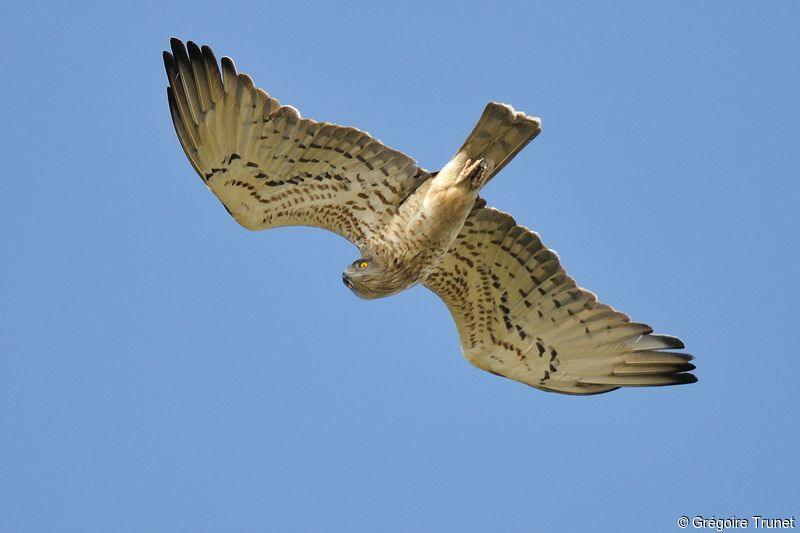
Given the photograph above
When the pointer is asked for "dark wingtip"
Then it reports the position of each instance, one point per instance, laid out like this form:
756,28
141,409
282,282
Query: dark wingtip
208,55
170,66
228,70
227,63
178,50
193,48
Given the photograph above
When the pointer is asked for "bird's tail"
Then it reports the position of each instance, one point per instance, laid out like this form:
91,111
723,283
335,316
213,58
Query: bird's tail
499,134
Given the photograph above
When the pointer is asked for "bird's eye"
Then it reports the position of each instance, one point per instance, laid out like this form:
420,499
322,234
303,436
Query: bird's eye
363,264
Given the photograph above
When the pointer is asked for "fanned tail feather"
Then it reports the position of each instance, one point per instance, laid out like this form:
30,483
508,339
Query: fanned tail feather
499,135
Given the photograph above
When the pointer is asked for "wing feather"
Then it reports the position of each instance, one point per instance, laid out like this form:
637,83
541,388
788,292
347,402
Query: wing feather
269,166
520,315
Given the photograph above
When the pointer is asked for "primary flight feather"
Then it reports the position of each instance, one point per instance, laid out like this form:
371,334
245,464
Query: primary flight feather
518,313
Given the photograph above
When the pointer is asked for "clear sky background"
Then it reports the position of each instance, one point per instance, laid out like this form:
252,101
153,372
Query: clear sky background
163,369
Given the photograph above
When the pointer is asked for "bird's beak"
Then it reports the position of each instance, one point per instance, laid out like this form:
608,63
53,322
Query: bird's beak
346,281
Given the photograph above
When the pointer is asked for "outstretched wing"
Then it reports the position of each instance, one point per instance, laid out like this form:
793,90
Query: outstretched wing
521,316
268,166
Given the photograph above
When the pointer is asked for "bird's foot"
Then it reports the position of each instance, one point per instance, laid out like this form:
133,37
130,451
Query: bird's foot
474,173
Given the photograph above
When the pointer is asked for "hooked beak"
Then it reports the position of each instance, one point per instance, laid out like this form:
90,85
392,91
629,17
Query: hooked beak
346,281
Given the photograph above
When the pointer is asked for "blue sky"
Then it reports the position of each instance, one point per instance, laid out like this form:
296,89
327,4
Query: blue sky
162,369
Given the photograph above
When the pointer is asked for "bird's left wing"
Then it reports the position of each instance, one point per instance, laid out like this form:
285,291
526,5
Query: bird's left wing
268,166
520,315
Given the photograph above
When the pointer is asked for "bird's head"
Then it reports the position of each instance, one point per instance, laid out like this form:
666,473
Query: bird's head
368,280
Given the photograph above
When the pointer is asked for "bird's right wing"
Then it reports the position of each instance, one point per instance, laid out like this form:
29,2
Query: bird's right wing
521,316
268,166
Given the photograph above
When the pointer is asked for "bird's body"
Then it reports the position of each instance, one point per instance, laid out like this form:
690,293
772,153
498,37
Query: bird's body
416,239
518,314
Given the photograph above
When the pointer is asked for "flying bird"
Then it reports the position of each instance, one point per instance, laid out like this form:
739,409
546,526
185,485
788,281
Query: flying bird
517,312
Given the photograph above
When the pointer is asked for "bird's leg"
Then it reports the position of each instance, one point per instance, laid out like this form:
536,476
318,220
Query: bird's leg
453,190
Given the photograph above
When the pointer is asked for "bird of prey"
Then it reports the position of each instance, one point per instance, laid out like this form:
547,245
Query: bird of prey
517,312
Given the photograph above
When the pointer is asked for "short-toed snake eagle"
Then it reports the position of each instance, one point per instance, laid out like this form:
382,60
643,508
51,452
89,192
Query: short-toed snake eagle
518,313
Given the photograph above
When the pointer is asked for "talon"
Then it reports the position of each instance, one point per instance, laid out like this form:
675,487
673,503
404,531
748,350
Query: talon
471,166
474,172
